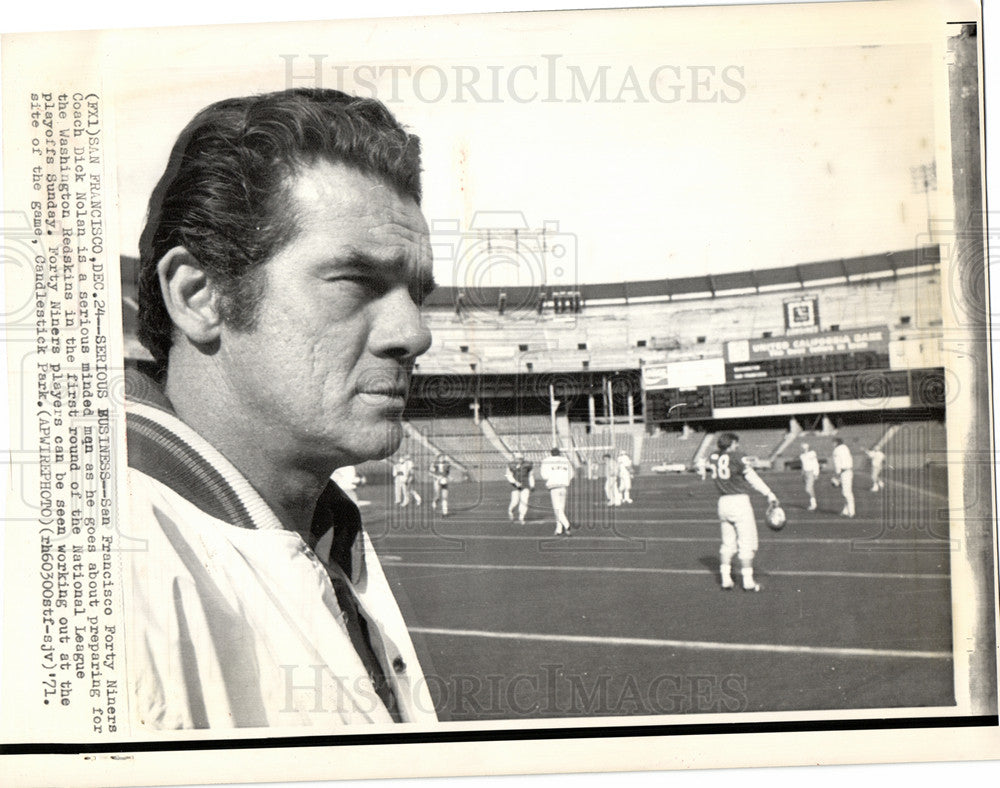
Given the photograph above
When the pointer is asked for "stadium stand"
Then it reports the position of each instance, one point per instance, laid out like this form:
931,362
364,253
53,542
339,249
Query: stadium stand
670,447
692,316
760,443
463,441
531,435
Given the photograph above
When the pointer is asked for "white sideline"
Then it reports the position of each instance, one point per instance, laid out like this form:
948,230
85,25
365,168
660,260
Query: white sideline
397,561
714,537
700,645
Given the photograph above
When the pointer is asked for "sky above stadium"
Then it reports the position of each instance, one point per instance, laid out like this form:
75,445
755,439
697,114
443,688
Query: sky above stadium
648,144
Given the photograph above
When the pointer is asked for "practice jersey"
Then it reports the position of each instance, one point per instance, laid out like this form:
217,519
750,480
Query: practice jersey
557,471
728,469
441,469
810,462
520,472
842,459
624,466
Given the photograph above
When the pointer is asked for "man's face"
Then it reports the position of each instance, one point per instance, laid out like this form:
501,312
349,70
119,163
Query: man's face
325,370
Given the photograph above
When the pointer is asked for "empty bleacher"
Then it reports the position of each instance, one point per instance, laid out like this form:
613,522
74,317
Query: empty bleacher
463,441
760,443
671,447
531,435
607,336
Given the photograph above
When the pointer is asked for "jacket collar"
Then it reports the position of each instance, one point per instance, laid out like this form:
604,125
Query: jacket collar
163,447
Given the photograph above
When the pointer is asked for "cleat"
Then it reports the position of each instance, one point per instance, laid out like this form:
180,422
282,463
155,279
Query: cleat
754,588
728,586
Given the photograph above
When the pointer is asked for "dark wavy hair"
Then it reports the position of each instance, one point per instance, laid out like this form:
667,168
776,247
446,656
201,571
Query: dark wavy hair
224,193
726,440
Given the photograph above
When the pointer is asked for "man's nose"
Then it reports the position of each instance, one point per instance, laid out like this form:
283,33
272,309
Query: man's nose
399,329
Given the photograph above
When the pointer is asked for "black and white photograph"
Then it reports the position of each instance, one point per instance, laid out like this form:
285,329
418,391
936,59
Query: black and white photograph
498,393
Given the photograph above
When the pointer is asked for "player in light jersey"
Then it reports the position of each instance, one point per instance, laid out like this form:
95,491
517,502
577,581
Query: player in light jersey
521,475
810,472
440,471
625,470
557,471
735,479
877,458
843,475
611,490
402,474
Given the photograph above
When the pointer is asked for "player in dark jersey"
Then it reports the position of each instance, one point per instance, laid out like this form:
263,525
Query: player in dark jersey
521,476
736,479
440,471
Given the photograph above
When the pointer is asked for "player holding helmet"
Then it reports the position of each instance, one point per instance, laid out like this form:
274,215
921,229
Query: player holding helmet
735,478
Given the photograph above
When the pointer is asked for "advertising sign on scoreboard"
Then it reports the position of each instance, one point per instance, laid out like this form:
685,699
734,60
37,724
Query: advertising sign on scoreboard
684,374
872,339
802,313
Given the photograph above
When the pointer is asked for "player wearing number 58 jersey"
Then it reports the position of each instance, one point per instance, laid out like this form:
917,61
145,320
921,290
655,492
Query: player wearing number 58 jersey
736,479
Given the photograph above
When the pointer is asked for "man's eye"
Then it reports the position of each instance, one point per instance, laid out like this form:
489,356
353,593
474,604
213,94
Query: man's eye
366,283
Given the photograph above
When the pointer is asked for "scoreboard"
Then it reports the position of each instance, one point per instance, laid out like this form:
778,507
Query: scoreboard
797,373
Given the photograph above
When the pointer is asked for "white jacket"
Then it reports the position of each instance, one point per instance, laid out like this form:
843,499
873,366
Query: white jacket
232,620
556,470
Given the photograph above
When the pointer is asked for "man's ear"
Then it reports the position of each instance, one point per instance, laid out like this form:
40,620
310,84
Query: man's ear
190,296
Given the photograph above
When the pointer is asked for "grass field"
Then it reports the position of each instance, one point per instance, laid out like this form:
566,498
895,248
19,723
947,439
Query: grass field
626,617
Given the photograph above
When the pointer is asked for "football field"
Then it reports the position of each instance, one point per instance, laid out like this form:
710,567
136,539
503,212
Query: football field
626,617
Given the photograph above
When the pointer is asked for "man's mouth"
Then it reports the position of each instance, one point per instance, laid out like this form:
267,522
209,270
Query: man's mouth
385,389
387,395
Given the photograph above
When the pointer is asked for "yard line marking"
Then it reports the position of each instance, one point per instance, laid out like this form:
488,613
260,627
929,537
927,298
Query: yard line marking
915,488
698,645
668,571
638,538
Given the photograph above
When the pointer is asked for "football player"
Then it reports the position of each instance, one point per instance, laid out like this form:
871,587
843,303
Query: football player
611,489
521,476
843,475
440,471
735,479
625,470
810,472
877,458
557,471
